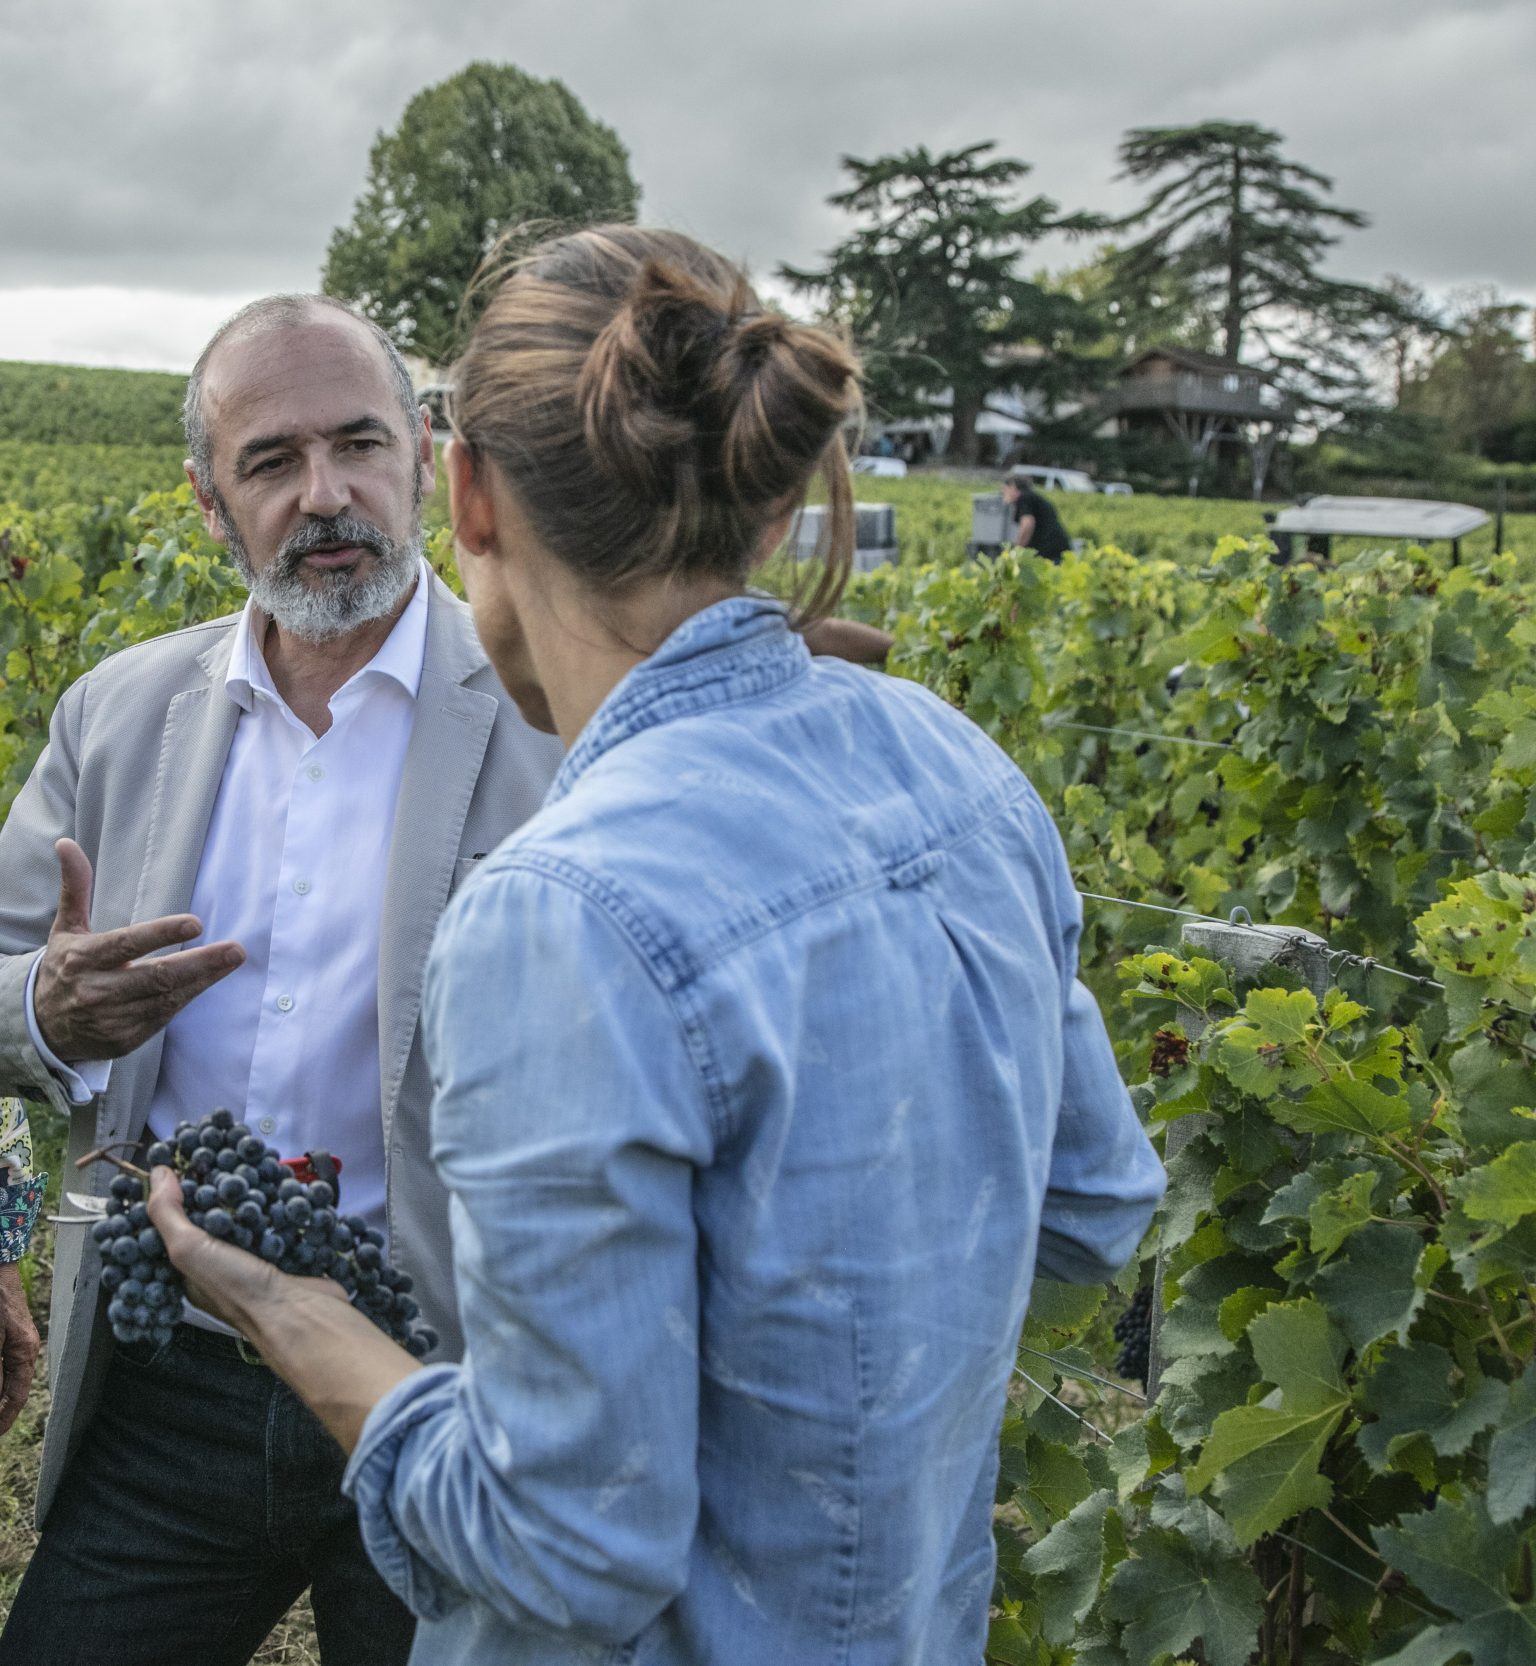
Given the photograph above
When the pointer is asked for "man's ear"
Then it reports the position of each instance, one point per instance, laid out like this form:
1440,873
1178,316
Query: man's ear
426,453
213,521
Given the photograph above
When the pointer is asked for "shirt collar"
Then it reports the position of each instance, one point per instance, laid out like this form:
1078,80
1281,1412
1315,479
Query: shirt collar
401,655
735,649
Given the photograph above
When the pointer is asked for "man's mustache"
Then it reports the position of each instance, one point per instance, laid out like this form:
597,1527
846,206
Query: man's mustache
322,534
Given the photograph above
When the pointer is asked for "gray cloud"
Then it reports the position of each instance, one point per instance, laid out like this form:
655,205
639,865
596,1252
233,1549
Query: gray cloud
211,149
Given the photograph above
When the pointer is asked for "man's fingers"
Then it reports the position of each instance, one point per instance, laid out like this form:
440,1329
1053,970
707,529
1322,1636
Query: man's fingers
103,950
74,911
174,977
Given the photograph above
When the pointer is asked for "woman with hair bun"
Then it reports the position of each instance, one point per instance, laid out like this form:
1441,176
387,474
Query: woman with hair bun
765,1083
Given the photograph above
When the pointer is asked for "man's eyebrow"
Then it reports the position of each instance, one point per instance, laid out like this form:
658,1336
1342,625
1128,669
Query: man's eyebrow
252,449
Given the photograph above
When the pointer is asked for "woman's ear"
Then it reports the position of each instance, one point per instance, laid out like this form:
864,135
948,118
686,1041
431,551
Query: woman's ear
471,504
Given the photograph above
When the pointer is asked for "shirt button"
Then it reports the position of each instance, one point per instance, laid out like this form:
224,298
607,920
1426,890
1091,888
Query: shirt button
314,772
301,886
267,1124
285,1003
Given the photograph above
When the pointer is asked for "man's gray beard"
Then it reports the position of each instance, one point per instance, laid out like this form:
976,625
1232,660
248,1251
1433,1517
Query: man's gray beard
324,606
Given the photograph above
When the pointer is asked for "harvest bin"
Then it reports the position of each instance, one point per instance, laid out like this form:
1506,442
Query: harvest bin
875,538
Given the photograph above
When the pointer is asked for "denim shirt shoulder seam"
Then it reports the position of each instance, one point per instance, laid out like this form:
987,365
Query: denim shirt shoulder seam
668,967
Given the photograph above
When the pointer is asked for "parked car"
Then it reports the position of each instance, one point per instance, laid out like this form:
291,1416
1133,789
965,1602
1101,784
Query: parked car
1053,479
1117,488
889,466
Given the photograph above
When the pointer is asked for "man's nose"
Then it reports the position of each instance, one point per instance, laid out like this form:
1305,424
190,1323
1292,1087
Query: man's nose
325,490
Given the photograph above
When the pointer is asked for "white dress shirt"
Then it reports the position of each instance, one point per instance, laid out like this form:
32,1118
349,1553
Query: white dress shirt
293,869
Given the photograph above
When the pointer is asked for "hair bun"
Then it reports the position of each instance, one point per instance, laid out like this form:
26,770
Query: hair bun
639,389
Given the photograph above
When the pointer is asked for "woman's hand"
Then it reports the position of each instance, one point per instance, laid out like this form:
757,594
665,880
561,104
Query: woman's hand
230,1283
334,1358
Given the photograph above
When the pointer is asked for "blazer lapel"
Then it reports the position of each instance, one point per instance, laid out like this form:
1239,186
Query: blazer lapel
442,764
199,727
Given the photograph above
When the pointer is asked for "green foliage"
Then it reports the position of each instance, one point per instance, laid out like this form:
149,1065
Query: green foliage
928,283
50,476
1340,1464
61,404
487,151
1243,232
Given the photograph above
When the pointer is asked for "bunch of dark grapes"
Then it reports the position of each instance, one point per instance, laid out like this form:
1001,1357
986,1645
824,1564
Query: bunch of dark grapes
236,1189
1133,1331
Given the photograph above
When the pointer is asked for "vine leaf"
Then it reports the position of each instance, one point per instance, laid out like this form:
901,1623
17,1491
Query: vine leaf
1268,1455
1180,1585
1459,1559
1340,1212
1503,1191
1410,1394
1372,1290
1067,1565
1346,1106
1512,1456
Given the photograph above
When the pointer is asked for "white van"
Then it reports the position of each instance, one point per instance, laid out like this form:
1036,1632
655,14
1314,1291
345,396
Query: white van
1052,479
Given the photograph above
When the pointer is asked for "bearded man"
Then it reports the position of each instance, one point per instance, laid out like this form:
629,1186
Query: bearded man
218,887
232,857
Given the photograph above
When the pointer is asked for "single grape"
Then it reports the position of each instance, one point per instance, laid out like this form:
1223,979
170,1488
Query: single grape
222,1118
138,1216
102,1231
125,1251
159,1155
124,1188
150,1245
231,1188
217,1223
186,1140
321,1194
112,1277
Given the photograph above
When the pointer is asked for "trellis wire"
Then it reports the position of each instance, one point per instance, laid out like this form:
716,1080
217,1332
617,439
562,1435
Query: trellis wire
1137,734
1071,1411
1366,963
1079,1371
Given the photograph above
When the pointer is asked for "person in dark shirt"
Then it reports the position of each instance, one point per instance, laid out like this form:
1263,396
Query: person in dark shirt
1038,526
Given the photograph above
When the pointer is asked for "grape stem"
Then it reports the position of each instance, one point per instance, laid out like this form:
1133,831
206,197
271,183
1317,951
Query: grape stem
107,1154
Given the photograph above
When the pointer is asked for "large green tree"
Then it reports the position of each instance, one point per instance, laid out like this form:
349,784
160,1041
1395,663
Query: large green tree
1245,230
929,284
1482,383
486,151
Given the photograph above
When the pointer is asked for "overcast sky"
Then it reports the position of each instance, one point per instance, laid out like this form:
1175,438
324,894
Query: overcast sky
162,161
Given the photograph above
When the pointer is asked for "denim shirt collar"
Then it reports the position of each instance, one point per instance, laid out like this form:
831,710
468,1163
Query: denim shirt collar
735,649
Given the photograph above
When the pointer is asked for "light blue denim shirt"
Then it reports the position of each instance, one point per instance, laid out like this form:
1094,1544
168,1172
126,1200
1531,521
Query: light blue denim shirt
765,1086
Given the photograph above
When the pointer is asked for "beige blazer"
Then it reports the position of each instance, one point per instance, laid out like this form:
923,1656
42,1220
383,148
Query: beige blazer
135,756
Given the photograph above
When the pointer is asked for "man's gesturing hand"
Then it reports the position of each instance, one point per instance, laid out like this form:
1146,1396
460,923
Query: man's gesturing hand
95,998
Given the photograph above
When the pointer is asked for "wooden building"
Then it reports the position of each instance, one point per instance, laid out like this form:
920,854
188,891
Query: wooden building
1203,401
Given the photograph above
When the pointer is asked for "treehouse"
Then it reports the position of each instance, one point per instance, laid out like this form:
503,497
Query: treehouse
1204,402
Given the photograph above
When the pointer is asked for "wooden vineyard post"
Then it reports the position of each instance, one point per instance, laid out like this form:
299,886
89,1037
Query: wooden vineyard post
1245,950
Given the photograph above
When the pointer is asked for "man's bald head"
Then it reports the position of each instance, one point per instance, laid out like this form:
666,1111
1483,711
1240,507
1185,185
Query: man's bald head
279,312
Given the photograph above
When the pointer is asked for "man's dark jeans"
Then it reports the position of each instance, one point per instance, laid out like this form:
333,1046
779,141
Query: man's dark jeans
204,1499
